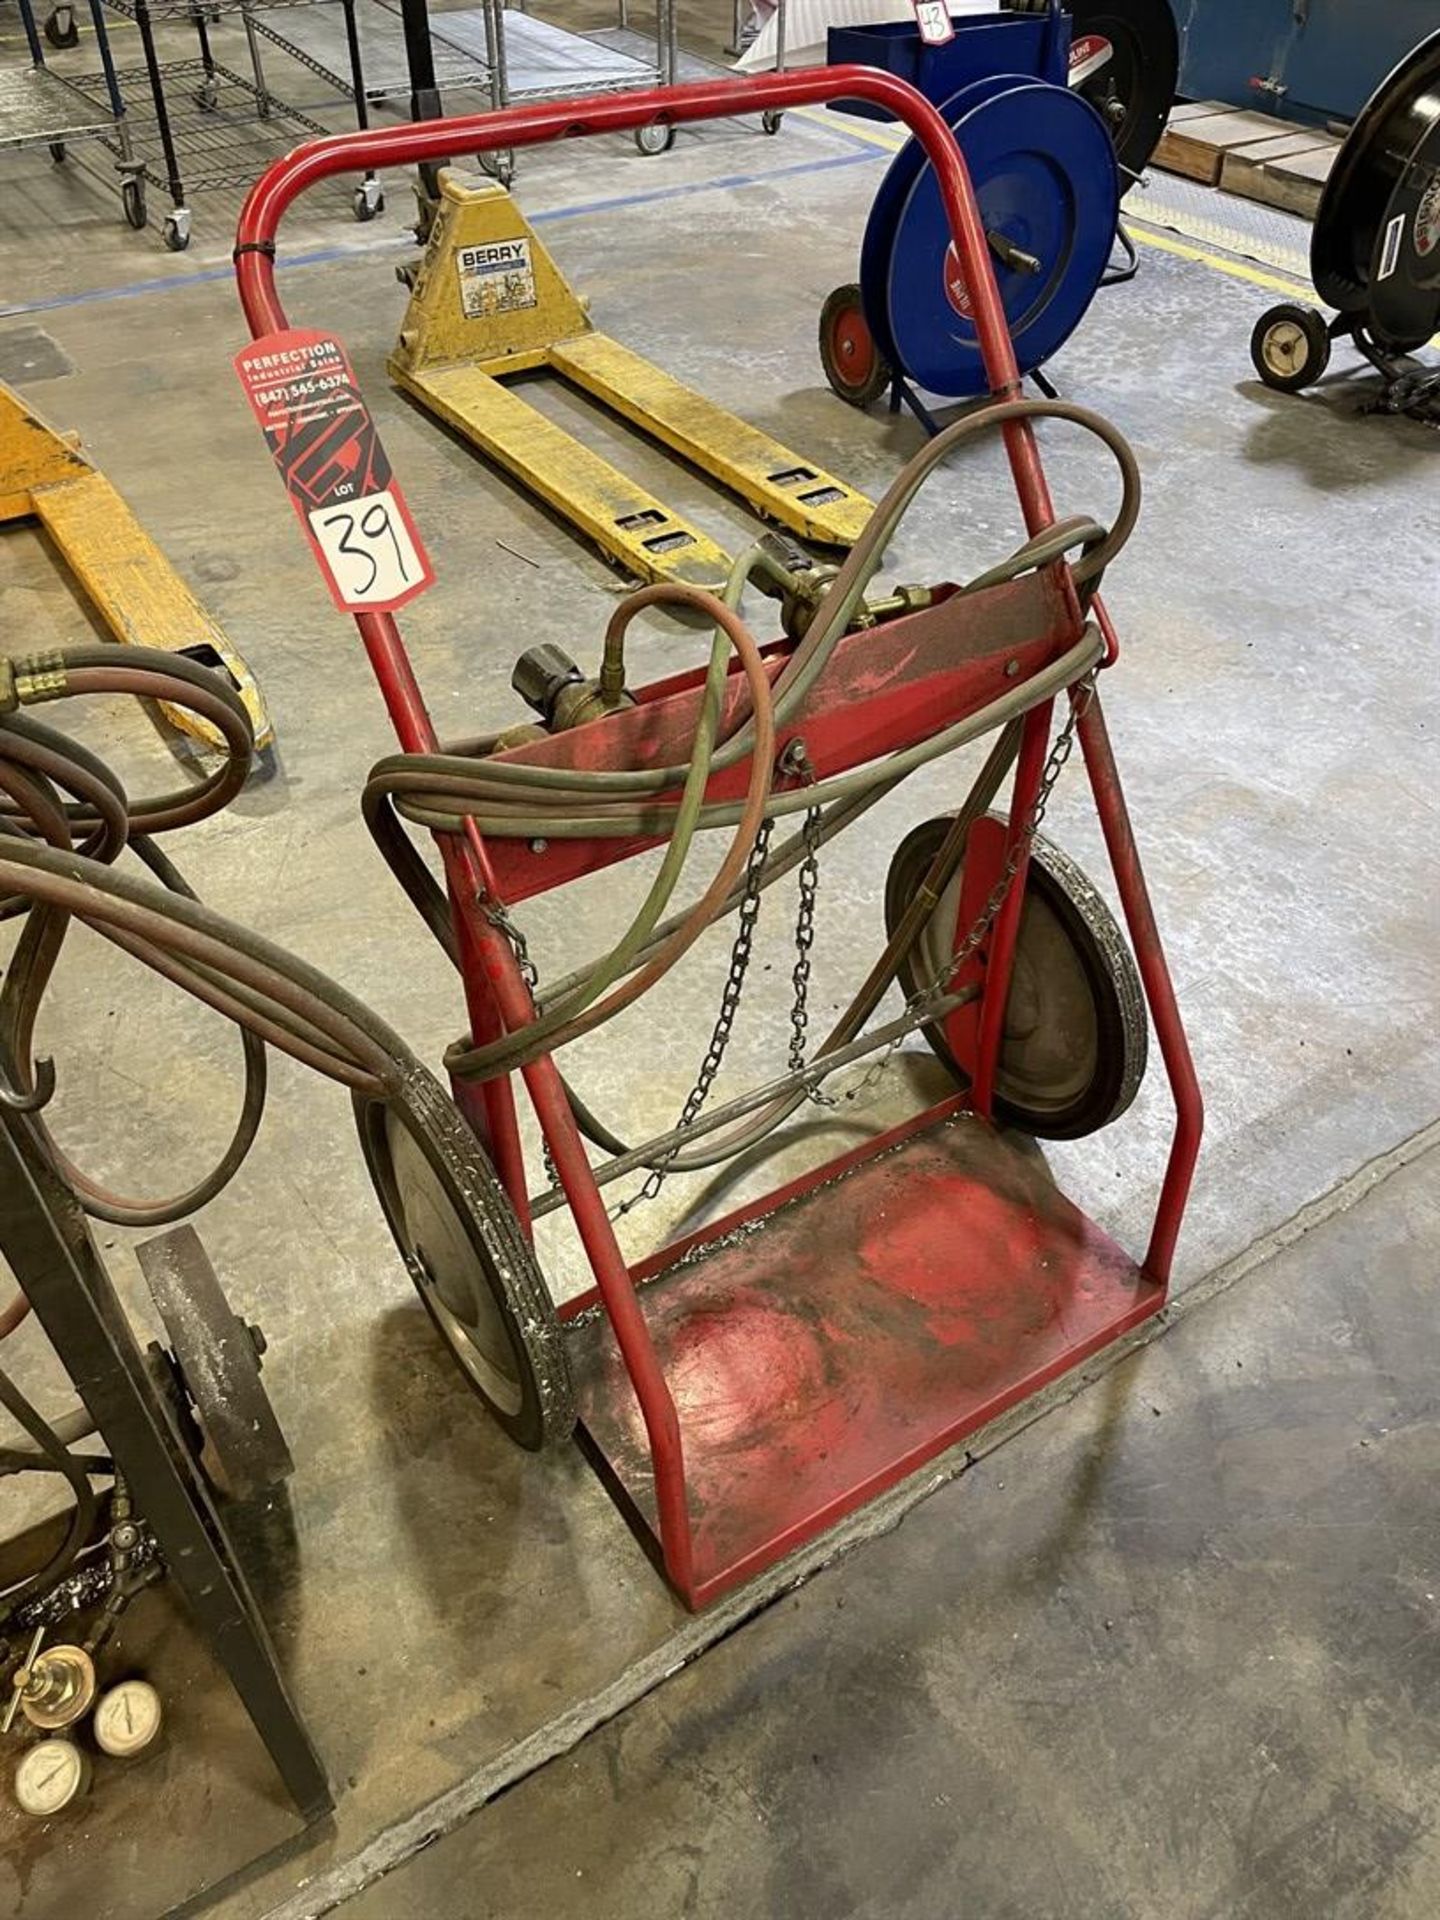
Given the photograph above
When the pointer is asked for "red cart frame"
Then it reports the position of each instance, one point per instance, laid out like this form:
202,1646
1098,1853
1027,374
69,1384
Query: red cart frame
786,1488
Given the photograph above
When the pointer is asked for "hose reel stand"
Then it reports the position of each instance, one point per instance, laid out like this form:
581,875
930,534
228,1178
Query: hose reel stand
1050,161
1374,251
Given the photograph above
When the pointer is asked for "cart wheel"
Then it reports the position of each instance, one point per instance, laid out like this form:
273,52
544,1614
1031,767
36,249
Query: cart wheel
177,230
211,1373
369,200
771,119
655,138
1290,347
1073,1051
58,152
61,27
854,365
207,95
500,165
471,1264
132,202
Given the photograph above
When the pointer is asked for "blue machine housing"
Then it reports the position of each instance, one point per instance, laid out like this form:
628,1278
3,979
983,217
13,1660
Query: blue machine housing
1036,45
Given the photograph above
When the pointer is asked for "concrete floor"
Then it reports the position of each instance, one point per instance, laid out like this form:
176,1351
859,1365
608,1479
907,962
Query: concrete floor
1173,1651
454,1615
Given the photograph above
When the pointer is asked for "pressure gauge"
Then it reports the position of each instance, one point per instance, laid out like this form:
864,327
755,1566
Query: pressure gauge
127,1719
50,1776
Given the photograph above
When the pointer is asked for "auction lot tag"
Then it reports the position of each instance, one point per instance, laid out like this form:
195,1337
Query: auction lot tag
302,390
933,19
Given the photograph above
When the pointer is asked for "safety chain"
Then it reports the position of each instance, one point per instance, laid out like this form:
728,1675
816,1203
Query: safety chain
1082,694
809,881
747,915
498,915
804,940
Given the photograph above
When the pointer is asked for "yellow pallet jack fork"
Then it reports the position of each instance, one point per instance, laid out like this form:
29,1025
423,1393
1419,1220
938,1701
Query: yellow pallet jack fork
488,302
137,594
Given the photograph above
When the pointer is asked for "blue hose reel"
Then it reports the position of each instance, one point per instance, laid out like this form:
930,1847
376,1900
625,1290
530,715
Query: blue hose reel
1043,165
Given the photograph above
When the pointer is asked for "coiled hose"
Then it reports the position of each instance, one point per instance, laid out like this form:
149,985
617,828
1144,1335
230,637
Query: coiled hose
506,798
64,819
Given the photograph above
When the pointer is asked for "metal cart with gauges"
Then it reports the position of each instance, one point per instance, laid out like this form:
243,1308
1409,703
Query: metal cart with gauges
129,1452
747,1385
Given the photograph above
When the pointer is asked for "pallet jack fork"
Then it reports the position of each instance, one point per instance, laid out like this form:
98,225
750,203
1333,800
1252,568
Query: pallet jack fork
488,303
123,575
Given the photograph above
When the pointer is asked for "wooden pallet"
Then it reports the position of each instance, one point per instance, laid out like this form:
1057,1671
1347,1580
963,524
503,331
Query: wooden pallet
1296,181
1196,146
1252,154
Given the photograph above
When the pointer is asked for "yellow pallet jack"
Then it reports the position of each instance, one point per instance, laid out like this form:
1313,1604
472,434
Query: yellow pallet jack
489,302
137,594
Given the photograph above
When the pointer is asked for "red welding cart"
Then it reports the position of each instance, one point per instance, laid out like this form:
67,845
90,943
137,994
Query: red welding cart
745,1387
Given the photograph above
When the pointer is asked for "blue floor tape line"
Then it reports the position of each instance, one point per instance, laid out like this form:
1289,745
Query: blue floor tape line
325,256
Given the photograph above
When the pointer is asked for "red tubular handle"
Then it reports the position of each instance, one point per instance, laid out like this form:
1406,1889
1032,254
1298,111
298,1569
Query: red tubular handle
528,126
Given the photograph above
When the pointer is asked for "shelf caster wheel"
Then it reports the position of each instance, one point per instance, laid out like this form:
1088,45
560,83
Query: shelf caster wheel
770,120
132,202
58,152
369,200
854,365
61,27
655,138
207,96
1290,347
210,1372
500,165
177,230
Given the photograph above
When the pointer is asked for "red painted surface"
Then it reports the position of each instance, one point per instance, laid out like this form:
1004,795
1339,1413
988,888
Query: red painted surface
820,1351
881,691
941,1283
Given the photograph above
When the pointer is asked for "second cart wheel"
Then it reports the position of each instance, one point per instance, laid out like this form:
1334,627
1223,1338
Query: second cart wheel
654,138
368,200
472,1266
58,152
214,1366
132,201
1075,1039
771,120
854,365
1290,347
499,164
207,95
177,230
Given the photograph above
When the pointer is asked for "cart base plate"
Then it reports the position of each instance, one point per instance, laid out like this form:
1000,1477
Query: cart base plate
826,1342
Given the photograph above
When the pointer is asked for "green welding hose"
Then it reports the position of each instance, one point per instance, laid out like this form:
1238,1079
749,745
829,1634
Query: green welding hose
492,791
515,799
615,964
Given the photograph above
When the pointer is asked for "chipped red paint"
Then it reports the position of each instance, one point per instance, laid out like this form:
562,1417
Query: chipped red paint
881,691
825,1344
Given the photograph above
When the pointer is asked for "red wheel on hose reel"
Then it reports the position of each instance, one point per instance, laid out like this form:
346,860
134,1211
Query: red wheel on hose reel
854,365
